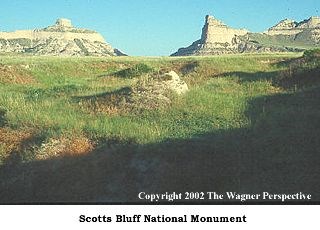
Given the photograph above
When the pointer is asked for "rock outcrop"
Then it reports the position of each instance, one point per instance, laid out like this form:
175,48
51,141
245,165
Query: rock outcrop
291,27
171,81
287,35
61,39
155,91
148,93
284,27
216,38
305,31
216,32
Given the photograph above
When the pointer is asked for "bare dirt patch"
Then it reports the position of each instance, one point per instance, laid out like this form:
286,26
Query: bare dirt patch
64,146
12,141
15,74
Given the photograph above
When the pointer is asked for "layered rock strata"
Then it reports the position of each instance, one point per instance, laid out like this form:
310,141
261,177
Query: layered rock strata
61,39
288,35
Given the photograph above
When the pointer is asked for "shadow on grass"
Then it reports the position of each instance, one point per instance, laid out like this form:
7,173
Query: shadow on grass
285,138
278,153
3,120
125,91
298,78
252,76
133,71
291,78
188,67
105,103
117,173
299,73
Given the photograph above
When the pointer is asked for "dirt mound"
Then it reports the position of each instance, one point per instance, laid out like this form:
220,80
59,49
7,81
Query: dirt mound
62,146
14,141
302,72
149,92
60,39
15,74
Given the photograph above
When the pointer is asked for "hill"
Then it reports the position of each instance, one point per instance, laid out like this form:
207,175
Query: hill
286,36
61,39
248,123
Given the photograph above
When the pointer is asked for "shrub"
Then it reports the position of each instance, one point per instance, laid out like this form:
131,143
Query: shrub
301,73
136,70
313,54
3,120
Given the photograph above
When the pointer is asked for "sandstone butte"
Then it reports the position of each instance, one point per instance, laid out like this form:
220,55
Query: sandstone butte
60,39
288,35
63,39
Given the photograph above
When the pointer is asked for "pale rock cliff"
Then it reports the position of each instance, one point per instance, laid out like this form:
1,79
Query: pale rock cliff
61,39
216,38
310,27
311,23
215,31
64,23
284,27
288,35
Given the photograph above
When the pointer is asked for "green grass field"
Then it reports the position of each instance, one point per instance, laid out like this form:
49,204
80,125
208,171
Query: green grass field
249,123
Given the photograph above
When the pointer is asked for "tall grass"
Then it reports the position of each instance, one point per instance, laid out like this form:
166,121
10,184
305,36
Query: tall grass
212,103
238,119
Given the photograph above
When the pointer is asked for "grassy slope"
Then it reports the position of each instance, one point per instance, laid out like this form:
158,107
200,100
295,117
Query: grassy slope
48,104
300,42
233,119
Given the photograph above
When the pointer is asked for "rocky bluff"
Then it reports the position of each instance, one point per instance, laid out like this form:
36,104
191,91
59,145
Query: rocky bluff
306,31
287,35
291,27
61,39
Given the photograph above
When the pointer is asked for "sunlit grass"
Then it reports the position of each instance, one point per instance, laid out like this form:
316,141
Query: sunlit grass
212,103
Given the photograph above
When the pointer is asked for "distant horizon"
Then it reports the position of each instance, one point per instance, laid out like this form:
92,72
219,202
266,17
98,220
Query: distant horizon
149,27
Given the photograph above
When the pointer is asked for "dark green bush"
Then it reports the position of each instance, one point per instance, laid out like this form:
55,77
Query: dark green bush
313,54
301,73
135,71
3,120
55,91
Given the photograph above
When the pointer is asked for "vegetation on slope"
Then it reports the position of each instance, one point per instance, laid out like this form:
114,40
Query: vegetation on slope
245,125
302,41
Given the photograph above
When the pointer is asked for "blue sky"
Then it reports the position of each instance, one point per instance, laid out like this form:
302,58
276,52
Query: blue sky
152,27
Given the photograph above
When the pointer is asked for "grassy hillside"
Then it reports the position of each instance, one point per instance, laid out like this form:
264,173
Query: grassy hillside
301,41
249,123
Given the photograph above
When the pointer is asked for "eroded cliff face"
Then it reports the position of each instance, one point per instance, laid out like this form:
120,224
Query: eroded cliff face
61,39
288,35
216,38
215,31
291,27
